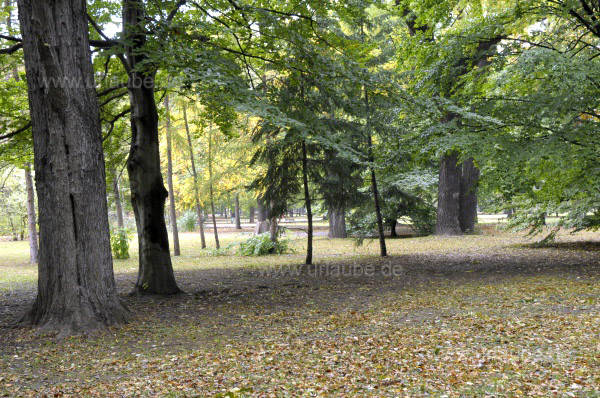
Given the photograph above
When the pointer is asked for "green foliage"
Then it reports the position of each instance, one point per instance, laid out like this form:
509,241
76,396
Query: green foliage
187,222
262,245
119,242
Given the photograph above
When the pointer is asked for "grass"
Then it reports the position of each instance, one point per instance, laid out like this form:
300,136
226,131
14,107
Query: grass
480,315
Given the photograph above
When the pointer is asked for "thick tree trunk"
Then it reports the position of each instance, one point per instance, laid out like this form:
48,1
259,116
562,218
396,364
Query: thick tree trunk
307,201
238,222
393,225
172,212
251,215
148,193
337,223
195,175
212,199
448,210
468,196
262,224
117,199
374,189
31,219
76,287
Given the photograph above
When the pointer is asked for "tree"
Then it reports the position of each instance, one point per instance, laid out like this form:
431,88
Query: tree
195,176
172,212
148,194
76,287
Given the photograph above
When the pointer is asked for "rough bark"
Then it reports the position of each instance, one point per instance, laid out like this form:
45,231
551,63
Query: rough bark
468,196
148,193
374,189
117,199
448,210
337,223
172,212
31,219
195,175
76,287
307,202
212,199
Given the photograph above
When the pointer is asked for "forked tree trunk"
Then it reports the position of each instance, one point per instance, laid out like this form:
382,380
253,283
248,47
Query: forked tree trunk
117,199
238,222
148,193
76,286
448,210
195,175
307,202
31,219
172,212
337,223
468,196
210,185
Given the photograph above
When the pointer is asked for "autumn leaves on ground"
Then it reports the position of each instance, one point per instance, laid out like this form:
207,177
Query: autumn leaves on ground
474,315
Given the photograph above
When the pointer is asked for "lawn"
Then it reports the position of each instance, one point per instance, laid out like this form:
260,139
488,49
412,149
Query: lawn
476,315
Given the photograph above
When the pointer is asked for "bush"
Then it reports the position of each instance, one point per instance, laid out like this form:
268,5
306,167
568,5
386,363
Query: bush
261,245
187,222
119,243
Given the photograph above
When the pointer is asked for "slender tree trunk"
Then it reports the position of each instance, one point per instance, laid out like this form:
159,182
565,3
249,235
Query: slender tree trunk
76,286
307,201
238,222
117,199
448,210
31,221
374,189
195,175
468,196
172,212
251,215
148,193
212,199
337,223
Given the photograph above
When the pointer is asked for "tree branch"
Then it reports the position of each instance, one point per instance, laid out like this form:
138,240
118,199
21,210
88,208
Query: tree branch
16,132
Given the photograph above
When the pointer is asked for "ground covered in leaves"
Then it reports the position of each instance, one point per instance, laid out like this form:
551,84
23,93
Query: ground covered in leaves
474,315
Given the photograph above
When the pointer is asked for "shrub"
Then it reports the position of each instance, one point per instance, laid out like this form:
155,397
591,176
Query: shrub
187,222
261,245
119,243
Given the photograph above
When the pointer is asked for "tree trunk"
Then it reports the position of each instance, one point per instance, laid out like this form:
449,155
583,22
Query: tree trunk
172,212
76,286
393,225
251,215
307,201
238,222
262,224
337,223
468,196
31,222
448,210
195,175
374,189
117,199
210,176
148,193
